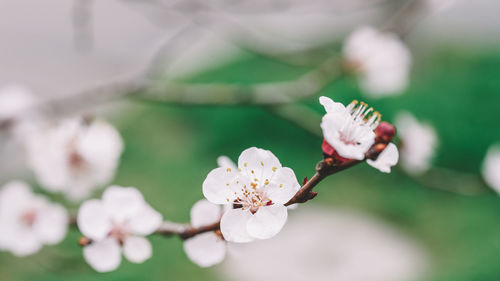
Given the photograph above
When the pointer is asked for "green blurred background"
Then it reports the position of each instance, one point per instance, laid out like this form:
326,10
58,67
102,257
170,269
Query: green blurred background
170,149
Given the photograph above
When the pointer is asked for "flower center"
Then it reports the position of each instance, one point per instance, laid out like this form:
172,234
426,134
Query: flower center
28,218
359,123
119,233
252,198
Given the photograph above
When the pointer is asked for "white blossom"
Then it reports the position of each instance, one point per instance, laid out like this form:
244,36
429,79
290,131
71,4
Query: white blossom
18,112
491,167
258,190
224,161
117,224
381,59
206,249
349,130
419,142
29,221
387,158
75,157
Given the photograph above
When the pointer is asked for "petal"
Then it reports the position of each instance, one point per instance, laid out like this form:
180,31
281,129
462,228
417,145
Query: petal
103,256
204,213
267,221
51,223
137,249
15,197
330,105
387,158
233,225
206,249
226,162
123,202
93,220
24,244
101,146
283,186
147,221
258,164
220,184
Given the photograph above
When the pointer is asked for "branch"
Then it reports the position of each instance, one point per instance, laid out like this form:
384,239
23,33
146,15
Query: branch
324,168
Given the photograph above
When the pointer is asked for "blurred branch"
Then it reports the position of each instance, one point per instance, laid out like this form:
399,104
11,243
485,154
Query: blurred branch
82,24
452,181
307,85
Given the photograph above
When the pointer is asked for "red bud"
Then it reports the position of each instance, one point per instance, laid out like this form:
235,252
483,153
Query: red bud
385,132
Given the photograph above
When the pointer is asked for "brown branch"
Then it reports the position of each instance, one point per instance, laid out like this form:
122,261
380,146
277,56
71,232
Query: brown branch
324,168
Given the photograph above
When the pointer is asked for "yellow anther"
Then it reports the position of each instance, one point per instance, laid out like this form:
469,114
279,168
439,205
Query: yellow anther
228,169
274,169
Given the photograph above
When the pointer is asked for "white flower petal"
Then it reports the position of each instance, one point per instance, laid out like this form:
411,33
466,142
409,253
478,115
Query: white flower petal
101,146
283,186
387,158
103,256
123,202
137,249
233,225
331,106
145,222
220,184
15,197
25,243
204,213
226,162
419,143
491,167
51,223
258,164
332,123
267,221
93,219
206,249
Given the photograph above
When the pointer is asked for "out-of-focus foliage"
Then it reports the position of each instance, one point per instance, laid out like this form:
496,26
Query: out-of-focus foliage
170,149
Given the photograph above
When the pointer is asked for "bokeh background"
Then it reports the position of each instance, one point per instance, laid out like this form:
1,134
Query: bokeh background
450,218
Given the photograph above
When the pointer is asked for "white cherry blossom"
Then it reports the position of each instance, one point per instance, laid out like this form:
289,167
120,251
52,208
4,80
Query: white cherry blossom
349,130
491,167
258,190
117,224
75,157
29,221
419,142
381,59
206,249
18,112
387,158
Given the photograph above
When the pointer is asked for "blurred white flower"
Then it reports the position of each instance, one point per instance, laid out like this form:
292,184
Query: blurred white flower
18,114
491,167
387,158
224,161
258,189
348,129
75,157
330,245
208,248
29,221
117,223
382,60
419,142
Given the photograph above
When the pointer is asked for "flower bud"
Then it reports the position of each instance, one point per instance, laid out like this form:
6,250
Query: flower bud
385,132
